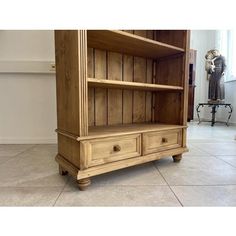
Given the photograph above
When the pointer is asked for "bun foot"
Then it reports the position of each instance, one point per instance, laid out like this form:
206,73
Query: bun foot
62,171
83,183
177,158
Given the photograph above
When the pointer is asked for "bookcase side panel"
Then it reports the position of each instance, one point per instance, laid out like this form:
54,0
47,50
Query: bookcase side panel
185,80
71,81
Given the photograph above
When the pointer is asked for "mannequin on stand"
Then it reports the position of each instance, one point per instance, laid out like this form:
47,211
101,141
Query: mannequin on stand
215,67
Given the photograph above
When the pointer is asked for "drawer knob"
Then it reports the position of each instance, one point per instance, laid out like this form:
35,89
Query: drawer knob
116,148
164,140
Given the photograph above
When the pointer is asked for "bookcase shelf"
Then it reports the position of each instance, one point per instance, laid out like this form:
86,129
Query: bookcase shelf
127,43
116,84
117,130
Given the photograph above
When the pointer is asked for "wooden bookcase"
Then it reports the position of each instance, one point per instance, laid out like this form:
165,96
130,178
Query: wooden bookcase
121,99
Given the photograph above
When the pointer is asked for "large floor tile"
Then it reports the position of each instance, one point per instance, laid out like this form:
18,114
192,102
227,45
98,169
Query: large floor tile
206,195
36,167
14,196
4,159
206,131
229,159
218,149
194,151
107,195
11,150
197,171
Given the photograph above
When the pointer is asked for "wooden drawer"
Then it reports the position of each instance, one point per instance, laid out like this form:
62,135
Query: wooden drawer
104,150
158,141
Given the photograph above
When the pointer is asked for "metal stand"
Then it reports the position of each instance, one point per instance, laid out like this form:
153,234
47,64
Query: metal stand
214,108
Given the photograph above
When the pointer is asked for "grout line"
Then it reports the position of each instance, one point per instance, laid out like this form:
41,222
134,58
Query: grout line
212,155
15,156
225,155
204,151
27,149
224,161
168,185
202,185
216,156
122,185
61,192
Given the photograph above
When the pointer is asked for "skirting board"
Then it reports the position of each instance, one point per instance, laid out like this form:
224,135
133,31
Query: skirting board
28,141
22,67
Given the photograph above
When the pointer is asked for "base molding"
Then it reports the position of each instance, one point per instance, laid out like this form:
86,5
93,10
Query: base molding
66,165
101,169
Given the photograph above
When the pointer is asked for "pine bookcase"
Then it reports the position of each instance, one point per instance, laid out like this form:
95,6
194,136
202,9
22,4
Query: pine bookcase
121,99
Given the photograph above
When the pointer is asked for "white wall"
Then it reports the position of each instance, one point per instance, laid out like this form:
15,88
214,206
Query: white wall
230,97
27,101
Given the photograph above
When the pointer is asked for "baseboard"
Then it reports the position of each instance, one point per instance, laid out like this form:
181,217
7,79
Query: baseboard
28,141
27,67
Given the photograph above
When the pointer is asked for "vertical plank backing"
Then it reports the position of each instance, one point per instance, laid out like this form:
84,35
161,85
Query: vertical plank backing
149,94
128,63
173,37
91,91
123,106
172,107
128,69
150,34
114,95
168,105
129,31
169,71
100,93
139,100
167,108
142,33
71,81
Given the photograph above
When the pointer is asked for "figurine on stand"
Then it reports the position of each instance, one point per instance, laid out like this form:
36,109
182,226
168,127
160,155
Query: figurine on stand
215,67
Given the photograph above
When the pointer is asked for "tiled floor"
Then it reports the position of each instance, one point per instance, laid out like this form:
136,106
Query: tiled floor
206,176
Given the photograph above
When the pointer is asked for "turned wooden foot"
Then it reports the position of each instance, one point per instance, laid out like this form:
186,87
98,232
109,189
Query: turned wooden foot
83,183
177,158
62,171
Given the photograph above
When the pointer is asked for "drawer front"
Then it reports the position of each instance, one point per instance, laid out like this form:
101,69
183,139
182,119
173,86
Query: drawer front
158,141
104,150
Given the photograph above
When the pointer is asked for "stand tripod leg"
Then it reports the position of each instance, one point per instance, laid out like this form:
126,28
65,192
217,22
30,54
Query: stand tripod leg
213,116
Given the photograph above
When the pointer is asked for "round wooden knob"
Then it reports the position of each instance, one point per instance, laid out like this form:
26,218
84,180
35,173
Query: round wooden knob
116,148
164,140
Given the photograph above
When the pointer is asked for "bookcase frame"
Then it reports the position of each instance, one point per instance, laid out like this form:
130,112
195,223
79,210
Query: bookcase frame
121,99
